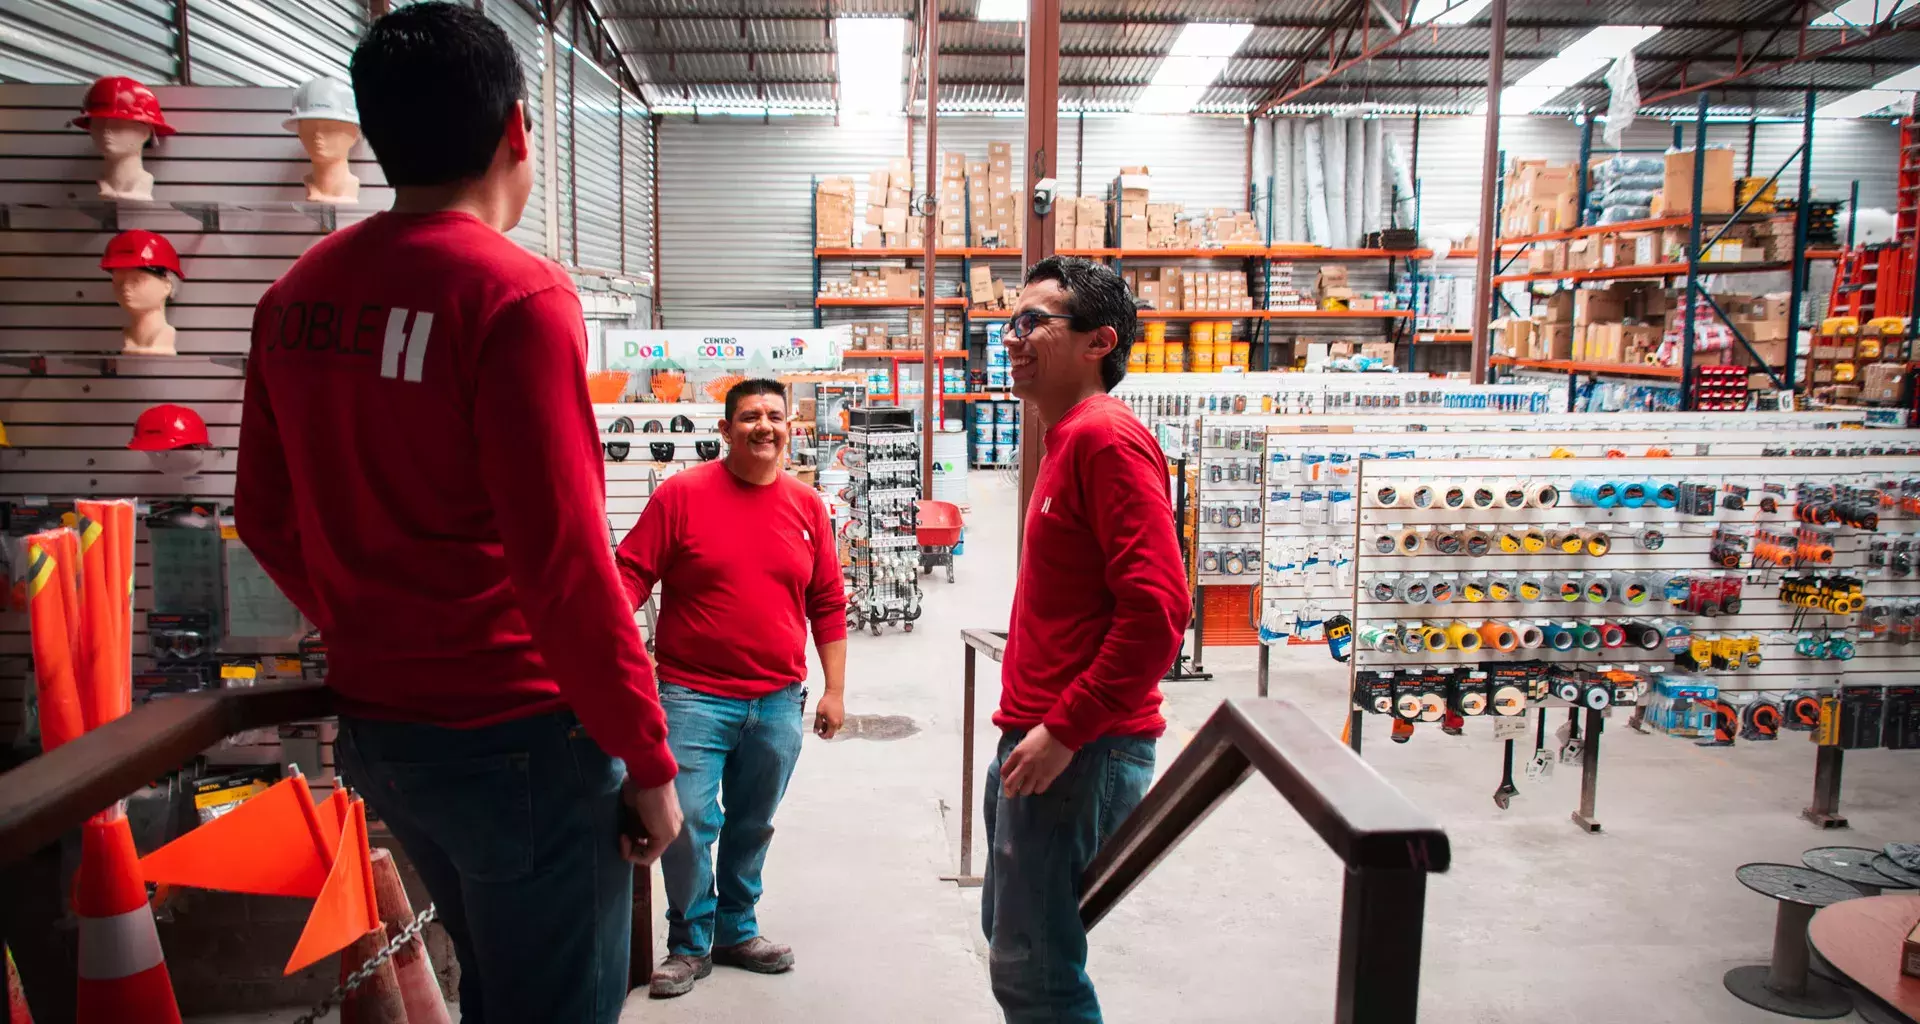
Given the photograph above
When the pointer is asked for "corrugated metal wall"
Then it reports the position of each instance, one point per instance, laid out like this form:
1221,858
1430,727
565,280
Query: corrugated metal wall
636,185
565,180
51,41
1199,161
271,44
524,28
596,121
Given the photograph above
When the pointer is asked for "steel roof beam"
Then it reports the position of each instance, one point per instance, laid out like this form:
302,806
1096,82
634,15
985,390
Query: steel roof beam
1174,20
1876,34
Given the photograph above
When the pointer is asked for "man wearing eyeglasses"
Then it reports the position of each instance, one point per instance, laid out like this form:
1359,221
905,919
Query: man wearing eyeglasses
1098,613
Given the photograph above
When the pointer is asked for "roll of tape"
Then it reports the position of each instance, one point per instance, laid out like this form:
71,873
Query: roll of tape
1664,495
1433,638
1499,636
1597,590
1445,541
1611,635
1473,589
1473,702
1384,589
1476,543
1558,637
1423,496
1376,638
1455,496
1441,590
1500,588
1433,706
1597,493
1530,588
1596,543
1407,706
1563,588
1565,542
1586,637
1597,697
1462,637
1386,543
1407,542
1508,701
1511,493
1567,690
1652,539
1484,495
1390,496
1533,540
1509,541
1529,635
1633,494
1412,590
1632,590
1645,635
1541,494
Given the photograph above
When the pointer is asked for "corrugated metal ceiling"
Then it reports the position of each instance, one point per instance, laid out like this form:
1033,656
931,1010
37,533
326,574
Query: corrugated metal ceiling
778,54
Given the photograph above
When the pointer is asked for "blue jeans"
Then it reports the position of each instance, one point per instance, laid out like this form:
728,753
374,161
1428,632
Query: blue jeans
1038,847
514,828
742,751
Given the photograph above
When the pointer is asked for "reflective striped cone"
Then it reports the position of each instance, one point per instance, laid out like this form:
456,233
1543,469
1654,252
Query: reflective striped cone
418,986
123,975
378,999
17,1012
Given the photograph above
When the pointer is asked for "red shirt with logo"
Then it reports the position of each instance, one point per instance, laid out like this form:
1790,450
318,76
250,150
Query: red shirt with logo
421,474
1101,603
746,570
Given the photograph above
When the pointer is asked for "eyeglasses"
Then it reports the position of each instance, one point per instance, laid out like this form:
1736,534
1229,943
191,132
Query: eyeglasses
1024,323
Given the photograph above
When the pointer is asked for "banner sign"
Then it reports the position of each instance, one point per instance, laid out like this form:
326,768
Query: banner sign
729,350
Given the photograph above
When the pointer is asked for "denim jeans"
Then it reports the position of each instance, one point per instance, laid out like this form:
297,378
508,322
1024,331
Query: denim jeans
1039,846
514,828
741,752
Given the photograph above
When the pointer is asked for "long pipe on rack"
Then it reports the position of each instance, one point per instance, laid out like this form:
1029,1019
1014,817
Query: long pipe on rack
932,373
1487,245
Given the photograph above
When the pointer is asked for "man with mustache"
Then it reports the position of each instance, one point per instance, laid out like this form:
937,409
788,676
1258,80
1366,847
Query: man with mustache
746,560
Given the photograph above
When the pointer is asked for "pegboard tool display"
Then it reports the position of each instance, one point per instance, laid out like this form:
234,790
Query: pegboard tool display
883,470
1727,598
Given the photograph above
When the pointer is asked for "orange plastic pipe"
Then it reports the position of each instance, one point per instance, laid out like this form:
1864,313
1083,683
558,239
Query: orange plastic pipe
61,717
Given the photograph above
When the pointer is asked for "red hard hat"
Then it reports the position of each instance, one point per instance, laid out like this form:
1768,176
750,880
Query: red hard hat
140,248
166,427
118,96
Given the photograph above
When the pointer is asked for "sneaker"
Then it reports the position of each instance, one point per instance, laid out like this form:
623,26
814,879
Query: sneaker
676,974
757,955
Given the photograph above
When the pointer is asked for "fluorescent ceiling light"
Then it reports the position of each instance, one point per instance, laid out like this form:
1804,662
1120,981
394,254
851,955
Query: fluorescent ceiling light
1436,12
1896,90
1855,13
1001,10
1573,65
1200,53
870,51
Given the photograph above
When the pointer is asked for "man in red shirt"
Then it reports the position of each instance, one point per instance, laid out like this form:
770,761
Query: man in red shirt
1099,608
747,566
420,472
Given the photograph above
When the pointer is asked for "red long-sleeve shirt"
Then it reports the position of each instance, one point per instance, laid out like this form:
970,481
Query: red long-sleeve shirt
420,473
1100,604
746,570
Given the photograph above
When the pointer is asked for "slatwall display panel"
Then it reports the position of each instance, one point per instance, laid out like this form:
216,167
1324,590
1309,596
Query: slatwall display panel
524,28
1196,160
597,156
636,185
54,41
566,180
736,212
234,43
70,425
1449,159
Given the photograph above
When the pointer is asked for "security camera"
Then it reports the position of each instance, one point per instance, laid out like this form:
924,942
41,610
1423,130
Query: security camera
1043,193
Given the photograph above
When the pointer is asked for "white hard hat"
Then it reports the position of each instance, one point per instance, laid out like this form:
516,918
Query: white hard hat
323,99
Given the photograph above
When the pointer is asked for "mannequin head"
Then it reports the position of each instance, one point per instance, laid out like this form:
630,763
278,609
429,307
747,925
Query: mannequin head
142,289
439,91
327,142
119,139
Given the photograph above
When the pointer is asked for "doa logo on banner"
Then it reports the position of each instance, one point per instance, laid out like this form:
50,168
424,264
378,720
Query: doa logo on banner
736,350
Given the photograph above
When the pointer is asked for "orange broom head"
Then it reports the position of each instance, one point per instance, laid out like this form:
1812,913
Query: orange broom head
55,667
267,846
346,908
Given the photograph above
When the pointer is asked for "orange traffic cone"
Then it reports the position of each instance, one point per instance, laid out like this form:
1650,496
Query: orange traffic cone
378,999
418,986
123,976
17,1012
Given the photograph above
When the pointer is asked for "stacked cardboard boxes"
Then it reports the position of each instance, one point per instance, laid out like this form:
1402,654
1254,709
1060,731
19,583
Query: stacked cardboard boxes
833,213
984,291
884,283
1540,197
1676,191
889,193
1166,288
1079,223
996,211
1132,224
946,333
950,213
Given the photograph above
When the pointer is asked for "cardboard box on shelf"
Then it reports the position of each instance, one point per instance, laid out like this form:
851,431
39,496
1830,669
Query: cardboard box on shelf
977,169
1381,350
1606,343
1769,353
1133,208
1584,254
979,282
1089,236
1599,305
877,216
1133,232
1515,336
897,198
1556,308
1716,194
1883,382
1556,341
833,212
878,182
893,220
1000,181
899,173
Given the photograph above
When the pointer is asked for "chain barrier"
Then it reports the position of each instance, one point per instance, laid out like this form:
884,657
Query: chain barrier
359,977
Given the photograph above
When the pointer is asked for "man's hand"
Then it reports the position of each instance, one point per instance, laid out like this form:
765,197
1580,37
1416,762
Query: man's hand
829,715
658,811
1035,762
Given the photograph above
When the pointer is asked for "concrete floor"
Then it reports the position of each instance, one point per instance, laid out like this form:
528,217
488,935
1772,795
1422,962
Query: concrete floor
1536,922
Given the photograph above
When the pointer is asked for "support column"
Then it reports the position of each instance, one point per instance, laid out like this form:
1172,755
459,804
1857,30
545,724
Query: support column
1043,137
1802,218
931,370
1487,248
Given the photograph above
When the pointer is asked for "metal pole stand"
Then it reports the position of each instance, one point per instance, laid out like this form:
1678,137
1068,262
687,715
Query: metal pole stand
1784,986
1825,809
994,643
1266,660
1589,773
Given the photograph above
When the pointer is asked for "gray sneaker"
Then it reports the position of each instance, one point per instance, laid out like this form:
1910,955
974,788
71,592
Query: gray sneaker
676,974
757,955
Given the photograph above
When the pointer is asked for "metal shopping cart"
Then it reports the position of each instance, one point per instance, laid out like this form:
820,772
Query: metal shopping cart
937,528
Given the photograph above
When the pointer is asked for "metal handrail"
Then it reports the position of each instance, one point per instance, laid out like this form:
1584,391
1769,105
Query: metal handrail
1389,845
57,791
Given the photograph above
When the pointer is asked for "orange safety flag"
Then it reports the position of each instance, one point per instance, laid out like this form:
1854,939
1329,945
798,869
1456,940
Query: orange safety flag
55,669
267,846
346,908
334,811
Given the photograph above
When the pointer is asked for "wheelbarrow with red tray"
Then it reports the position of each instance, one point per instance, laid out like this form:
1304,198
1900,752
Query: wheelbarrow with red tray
937,528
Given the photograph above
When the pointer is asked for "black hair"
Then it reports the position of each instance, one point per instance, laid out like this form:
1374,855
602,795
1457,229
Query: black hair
1096,297
435,83
750,387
